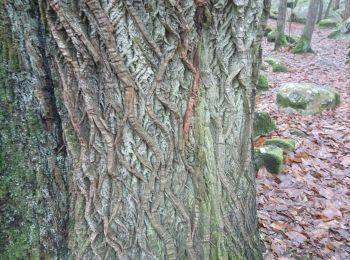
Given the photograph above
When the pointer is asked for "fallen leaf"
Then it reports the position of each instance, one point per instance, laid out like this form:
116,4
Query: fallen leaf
329,246
296,237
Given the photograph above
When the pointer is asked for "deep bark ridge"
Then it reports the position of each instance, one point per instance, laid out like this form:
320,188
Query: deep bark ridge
159,98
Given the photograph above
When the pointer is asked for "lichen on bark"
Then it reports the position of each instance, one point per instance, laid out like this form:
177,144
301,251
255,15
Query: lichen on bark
153,103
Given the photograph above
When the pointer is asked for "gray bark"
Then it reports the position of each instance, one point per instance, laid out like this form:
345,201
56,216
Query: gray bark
305,39
157,122
346,10
34,165
328,9
281,20
320,11
336,4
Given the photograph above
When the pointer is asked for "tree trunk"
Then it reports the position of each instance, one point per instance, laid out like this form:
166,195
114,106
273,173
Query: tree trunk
328,9
336,4
280,38
320,11
304,42
157,122
34,166
347,10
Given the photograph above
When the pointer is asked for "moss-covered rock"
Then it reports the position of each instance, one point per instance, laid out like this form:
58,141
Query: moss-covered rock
284,38
301,46
263,123
306,98
263,83
343,33
297,132
268,29
263,66
284,143
270,60
277,66
271,37
334,34
269,156
329,23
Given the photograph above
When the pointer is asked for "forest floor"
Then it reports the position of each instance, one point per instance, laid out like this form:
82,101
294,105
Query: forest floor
304,213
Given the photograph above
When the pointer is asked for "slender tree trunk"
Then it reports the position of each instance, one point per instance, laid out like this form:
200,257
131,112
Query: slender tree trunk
336,4
347,10
320,11
280,38
328,9
304,42
153,102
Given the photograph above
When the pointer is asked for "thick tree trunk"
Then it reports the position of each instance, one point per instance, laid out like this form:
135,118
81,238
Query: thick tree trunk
304,42
280,38
33,163
347,10
157,121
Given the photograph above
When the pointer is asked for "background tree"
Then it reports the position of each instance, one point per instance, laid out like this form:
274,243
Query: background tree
346,10
320,11
147,113
329,6
280,38
303,44
336,4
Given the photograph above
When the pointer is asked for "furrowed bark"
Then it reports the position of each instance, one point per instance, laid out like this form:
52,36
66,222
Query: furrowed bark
34,165
158,102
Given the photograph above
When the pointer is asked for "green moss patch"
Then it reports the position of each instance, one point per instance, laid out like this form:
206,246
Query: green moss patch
268,29
285,144
301,46
277,66
307,98
263,83
263,123
271,157
329,23
271,37
286,102
334,34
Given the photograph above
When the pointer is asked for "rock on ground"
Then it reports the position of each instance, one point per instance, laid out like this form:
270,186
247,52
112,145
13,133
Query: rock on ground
306,98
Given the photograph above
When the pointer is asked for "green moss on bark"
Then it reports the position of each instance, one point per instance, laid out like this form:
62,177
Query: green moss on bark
301,46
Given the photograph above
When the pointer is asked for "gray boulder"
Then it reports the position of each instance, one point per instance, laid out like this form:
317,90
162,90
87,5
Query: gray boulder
274,7
306,98
343,33
299,13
